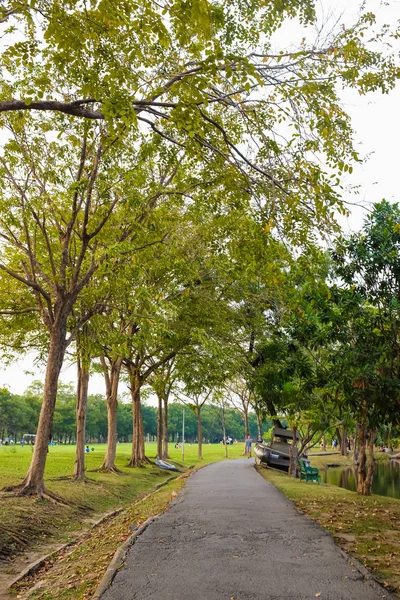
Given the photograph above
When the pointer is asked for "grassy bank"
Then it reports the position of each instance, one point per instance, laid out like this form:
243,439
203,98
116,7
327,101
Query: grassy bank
76,571
27,523
368,528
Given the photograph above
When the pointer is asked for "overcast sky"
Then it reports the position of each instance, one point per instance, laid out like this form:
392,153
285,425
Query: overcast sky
376,120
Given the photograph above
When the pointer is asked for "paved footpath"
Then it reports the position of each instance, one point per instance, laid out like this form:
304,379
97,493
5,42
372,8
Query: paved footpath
232,536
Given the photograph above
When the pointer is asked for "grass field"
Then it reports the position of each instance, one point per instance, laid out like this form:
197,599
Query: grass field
26,522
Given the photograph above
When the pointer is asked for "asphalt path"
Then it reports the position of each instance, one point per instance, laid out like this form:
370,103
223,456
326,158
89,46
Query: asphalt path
230,535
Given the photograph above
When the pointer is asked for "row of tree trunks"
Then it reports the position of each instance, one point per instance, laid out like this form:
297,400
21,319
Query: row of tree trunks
199,433
111,373
83,364
159,427
138,456
165,428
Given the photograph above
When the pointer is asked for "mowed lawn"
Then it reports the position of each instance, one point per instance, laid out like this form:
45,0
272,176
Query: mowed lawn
27,522
14,460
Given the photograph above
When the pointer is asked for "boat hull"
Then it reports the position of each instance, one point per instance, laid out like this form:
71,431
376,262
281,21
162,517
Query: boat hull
270,456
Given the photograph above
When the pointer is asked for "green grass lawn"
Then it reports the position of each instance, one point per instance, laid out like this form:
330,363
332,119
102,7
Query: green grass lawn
26,522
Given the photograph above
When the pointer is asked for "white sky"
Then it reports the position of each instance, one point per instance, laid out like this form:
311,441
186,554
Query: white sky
376,120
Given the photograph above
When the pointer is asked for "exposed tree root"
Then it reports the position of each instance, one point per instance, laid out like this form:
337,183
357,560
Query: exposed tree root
75,478
135,463
41,493
83,479
104,469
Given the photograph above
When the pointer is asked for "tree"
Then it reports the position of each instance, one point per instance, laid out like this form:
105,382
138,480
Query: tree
162,381
59,211
240,398
369,268
220,86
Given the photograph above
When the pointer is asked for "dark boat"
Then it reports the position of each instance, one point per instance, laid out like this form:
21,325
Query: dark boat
276,453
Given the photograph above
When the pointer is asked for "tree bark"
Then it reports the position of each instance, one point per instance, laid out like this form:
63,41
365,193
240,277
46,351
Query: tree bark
160,428
362,456
371,464
224,431
355,450
199,434
111,377
165,429
294,455
246,427
33,484
138,452
339,437
81,407
259,426
343,447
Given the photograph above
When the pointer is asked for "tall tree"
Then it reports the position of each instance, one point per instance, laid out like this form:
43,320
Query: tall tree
60,201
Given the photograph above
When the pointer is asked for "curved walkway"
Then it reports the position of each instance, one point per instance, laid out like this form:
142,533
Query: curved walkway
232,536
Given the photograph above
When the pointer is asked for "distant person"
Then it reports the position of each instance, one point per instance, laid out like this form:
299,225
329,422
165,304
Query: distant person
87,449
248,446
22,443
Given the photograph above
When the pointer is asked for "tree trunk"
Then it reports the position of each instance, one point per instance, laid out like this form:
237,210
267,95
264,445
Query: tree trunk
224,432
81,406
339,437
294,455
33,484
138,454
111,377
259,426
165,429
199,434
355,450
246,427
371,464
343,447
159,428
362,456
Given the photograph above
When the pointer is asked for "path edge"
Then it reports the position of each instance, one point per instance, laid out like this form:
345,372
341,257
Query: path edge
38,563
121,552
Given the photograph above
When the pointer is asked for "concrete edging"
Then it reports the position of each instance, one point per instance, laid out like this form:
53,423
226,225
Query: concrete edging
118,559
367,575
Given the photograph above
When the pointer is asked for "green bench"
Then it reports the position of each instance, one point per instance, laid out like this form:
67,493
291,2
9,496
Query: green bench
308,473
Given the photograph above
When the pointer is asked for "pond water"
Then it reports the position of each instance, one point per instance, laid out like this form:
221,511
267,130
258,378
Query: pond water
386,478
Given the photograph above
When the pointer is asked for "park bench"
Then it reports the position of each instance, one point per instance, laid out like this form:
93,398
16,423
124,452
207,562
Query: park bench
308,473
